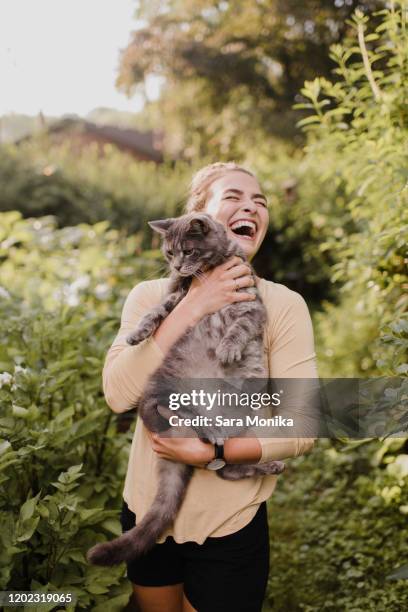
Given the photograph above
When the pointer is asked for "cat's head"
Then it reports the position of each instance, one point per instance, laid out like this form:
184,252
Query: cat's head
192,242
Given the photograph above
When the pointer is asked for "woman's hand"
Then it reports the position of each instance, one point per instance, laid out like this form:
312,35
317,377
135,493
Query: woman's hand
215,289
191,451
218,287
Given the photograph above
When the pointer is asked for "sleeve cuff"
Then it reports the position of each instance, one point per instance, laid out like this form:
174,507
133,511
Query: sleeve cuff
277,449
155,348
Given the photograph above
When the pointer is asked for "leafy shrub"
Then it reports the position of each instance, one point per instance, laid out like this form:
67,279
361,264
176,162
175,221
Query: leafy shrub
62,460
358,137
338,527
45,179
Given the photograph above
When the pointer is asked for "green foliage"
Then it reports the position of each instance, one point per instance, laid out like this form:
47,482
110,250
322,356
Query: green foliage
62,460
231,70
338,521
358,137
91,265
338,530
40,179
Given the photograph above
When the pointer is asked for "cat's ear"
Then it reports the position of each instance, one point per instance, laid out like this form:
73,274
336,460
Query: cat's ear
161,226
199,226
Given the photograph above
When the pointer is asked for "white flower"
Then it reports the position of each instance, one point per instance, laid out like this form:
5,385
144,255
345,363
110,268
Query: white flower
70,292
102,291
82,282
19,368
5,378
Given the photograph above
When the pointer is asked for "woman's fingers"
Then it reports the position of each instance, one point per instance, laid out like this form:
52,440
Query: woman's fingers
242,281
231,262
241,296
239,276
222,286
239,270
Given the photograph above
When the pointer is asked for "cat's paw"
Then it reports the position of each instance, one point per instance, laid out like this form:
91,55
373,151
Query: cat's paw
271,467
134,338
227,353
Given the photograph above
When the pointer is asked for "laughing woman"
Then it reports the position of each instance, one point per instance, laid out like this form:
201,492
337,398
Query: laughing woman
215,557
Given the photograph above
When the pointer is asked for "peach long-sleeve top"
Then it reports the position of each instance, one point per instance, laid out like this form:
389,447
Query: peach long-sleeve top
212,506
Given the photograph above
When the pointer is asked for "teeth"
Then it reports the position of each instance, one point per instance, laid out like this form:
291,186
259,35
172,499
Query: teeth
243,223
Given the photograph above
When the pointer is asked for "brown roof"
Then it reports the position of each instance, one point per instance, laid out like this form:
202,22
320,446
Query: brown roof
147,143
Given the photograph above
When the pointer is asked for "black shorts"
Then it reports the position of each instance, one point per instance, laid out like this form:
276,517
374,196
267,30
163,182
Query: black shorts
223,574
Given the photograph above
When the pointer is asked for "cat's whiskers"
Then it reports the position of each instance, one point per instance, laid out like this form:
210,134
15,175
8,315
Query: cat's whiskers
199,275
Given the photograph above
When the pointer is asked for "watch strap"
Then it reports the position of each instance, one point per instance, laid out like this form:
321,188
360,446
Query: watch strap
219,451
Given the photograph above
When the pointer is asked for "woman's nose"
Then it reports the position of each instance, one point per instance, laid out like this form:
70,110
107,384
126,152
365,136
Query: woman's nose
249,206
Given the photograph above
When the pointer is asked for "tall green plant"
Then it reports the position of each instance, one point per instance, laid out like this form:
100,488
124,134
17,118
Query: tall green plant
358,135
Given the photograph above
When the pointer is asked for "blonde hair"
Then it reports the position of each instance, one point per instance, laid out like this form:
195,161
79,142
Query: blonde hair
199,188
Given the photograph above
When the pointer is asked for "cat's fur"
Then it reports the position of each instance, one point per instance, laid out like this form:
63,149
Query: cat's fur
225,344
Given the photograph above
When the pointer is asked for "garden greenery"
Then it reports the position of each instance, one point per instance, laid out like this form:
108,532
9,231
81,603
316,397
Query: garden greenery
62,459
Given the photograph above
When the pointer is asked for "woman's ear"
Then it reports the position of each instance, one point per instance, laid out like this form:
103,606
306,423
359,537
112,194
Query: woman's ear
161,226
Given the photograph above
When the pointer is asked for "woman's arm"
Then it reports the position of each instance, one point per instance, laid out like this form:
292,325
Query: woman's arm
127,368
292,355
195,452
205,296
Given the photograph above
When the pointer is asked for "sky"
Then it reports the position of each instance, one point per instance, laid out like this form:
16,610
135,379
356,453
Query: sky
61,56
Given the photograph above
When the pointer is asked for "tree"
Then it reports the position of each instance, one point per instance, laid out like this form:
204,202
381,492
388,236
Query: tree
232,70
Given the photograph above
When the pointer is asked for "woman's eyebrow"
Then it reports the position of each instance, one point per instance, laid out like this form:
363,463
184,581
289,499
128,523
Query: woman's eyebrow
239,192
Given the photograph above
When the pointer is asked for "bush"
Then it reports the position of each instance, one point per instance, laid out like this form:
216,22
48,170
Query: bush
62,459
358,136
44,179
338,530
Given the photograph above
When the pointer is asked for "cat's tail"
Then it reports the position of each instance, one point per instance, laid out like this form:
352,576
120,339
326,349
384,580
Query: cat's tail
172,486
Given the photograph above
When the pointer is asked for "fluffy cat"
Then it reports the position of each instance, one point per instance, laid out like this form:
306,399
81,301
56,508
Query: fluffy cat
223,345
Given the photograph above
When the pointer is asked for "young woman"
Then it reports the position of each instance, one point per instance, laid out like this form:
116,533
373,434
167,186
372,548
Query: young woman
216,555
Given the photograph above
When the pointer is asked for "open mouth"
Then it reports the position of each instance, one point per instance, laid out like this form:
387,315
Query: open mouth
244,228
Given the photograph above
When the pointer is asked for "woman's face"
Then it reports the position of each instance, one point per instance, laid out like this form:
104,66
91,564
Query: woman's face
236,201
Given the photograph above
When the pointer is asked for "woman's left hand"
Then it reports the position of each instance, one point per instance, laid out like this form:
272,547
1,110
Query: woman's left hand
191,451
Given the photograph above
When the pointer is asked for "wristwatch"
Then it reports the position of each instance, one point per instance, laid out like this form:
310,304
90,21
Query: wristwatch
218,462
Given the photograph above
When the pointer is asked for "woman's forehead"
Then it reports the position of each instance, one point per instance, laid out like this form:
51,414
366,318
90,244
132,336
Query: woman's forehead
235,180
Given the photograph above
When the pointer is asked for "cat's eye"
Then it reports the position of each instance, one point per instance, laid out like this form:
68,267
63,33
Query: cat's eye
170,253
189,251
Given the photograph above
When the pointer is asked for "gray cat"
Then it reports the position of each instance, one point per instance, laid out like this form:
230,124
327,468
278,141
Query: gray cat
223,345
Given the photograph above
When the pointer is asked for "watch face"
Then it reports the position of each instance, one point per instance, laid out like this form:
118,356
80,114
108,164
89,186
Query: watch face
216,464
